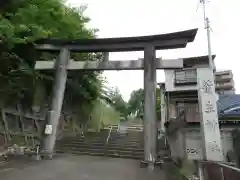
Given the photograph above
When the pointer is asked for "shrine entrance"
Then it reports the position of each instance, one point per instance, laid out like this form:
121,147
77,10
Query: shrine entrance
148,44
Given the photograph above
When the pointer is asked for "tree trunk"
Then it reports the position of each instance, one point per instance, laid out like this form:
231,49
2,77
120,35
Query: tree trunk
5,124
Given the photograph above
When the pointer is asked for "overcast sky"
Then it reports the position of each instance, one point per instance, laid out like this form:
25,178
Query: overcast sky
117,18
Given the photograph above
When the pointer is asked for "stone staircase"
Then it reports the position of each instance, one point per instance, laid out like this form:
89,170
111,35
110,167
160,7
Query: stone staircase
93,143
126,145
125,141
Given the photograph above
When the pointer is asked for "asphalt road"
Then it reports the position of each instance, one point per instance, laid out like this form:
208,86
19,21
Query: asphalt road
78,168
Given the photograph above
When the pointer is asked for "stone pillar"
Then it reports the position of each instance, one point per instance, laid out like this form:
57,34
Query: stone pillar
57,101
105,56
236,145
163,110
210,132
150,128
172,110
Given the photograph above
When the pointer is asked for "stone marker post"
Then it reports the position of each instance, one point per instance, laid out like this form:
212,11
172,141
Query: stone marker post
212,148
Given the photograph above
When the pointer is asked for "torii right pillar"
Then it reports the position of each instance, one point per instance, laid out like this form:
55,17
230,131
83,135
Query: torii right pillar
212,148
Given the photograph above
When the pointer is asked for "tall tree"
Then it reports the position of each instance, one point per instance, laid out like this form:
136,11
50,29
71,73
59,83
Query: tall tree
136,103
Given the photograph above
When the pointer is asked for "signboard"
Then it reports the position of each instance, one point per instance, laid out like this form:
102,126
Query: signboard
48,129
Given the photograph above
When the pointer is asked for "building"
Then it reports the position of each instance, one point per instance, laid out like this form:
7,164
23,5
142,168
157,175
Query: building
224,82
183,106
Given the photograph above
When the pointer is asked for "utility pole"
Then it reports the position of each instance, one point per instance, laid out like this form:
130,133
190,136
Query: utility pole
208,28
211,137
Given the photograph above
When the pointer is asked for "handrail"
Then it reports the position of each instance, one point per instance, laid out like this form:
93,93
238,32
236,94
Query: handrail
230,167
118,127
109,134
221,170
218,162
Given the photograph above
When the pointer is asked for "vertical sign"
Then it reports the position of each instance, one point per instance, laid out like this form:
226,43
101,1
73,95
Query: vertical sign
209,115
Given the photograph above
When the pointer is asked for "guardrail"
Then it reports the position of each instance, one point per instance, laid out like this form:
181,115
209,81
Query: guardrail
219,171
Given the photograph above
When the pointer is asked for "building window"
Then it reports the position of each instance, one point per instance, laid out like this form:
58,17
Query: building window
185,77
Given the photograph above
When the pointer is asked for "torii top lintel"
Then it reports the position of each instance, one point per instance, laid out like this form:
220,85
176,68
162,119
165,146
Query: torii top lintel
160,42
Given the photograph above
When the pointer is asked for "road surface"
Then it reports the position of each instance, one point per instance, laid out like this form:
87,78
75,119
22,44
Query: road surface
69,167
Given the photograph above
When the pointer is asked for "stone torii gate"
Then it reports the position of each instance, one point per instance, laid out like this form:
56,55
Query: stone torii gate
149,64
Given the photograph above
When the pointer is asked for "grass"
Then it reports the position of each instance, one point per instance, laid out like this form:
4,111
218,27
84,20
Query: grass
103,115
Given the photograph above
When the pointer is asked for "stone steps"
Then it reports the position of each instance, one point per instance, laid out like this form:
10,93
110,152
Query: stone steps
101,152
133,147
81,153
82,149
125,148
120,145
85,146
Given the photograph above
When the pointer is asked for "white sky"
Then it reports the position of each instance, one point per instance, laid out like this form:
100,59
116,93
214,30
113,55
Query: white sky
117,18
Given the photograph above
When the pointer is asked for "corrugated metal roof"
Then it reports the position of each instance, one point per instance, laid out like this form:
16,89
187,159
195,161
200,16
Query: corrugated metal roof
227,102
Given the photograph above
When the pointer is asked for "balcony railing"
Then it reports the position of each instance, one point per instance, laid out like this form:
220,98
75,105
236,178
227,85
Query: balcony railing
226,85
191,112
223,78
186,77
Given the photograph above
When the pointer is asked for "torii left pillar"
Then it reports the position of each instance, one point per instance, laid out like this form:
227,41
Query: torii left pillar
50,132
150,126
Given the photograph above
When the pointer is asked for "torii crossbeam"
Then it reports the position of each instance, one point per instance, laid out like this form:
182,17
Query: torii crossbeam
149,64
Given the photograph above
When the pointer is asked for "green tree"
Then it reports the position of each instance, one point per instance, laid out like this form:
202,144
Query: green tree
21,24
116,100
136,103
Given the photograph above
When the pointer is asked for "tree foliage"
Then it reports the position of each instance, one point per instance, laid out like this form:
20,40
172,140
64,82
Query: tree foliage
116,100
24,21
136,103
